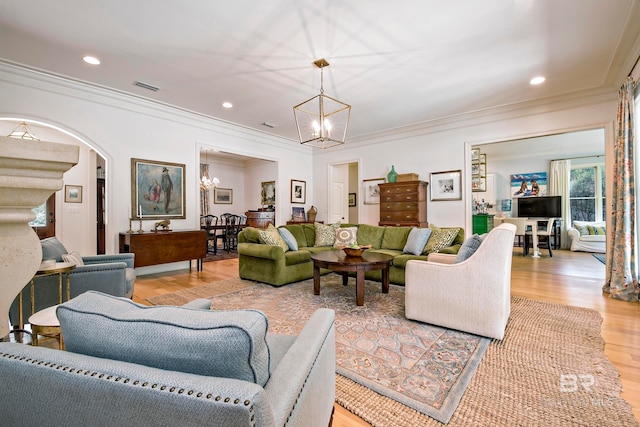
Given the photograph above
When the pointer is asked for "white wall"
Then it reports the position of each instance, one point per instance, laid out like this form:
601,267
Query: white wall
445,145
122,127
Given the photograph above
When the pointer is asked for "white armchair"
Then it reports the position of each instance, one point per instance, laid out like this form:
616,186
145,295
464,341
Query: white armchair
472,295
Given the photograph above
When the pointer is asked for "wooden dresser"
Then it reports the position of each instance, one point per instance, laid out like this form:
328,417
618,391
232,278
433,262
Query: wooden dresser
160,247
404,204
260,219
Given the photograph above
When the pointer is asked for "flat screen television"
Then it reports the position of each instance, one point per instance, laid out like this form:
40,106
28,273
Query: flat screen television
540,207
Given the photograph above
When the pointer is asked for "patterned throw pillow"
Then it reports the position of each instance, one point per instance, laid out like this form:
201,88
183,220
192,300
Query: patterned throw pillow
271,236
440,238
325,234
595,231
346,236
74,257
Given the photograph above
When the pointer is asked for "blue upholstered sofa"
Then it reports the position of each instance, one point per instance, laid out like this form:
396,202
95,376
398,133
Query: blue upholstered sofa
133,365
110,274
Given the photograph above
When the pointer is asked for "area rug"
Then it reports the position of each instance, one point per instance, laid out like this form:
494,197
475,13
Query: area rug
550,369
422,366
220,255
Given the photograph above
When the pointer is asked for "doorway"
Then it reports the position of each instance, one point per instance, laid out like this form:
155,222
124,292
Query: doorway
343,192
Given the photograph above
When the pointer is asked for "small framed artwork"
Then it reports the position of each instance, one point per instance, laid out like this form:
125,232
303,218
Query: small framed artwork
298,214
222,196
298,191
157,189
371,190
446,185
268,193
475,154
352,199
478,184
73,193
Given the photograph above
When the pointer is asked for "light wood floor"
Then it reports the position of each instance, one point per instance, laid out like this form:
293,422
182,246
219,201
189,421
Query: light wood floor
571,278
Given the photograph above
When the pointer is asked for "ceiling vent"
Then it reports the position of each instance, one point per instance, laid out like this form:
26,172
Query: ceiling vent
146,86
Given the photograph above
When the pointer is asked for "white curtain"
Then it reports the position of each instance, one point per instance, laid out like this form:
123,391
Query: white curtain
560,185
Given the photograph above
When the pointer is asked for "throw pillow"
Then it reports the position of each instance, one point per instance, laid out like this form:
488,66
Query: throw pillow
291,241
469,247
595,231
271,236
74,257
440,238
417,239
346,236
229,344
325,234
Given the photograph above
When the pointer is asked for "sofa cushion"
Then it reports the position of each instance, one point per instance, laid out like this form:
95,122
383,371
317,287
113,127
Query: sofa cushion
297,257
251,234
288,238
469,247
325,234
309,231
297,231
52,249
73,257
596,231
417,239
395,237
346,236
370,235
271,236
440,238
583,226
230,344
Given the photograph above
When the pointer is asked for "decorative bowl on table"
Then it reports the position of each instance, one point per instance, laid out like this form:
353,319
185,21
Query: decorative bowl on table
355,251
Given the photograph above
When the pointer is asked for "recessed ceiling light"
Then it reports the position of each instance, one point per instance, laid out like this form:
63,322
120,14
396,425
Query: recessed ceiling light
91,60
227,105
537,80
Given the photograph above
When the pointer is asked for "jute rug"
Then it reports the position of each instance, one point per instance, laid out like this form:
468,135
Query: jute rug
549,369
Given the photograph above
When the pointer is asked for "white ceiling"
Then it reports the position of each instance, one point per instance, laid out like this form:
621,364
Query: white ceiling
397,63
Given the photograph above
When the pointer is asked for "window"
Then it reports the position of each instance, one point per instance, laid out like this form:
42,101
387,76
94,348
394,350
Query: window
587,193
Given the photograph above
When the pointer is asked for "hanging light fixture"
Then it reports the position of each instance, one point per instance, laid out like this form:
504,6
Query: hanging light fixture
206,182
23,132
322,121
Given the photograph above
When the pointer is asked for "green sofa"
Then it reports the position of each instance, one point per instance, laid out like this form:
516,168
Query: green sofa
270,264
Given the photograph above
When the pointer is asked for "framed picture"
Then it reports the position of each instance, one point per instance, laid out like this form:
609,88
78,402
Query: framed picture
371,190
298,191
157,189
478,183
268,193
73,193
475,154
352,199
222,196
298,215
446,185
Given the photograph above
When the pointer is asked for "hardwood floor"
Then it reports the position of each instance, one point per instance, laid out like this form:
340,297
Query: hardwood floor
571,278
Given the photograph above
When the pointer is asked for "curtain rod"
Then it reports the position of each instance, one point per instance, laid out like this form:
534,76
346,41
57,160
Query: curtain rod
580,157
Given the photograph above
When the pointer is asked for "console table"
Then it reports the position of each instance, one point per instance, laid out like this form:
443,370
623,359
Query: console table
161,247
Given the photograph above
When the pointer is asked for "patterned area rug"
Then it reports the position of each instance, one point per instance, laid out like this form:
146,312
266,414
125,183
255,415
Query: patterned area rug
550,369
425,367
600,257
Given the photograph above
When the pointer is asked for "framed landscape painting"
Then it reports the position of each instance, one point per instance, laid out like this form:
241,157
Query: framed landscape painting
222,196
157,189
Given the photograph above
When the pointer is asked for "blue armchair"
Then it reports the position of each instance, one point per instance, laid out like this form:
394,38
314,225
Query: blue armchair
110,274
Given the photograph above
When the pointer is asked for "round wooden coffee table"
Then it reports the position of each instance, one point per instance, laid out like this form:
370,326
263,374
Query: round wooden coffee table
338,262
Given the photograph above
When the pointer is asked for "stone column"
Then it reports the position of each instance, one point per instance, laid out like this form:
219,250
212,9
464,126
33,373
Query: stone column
30,171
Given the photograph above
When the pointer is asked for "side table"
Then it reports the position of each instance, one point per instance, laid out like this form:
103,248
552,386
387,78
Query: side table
61,269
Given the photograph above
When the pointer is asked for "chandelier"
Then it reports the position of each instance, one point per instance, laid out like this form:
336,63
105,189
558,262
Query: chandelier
23,132
322,120
206,182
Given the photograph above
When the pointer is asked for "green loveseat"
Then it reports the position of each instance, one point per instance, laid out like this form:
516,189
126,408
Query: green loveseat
272,265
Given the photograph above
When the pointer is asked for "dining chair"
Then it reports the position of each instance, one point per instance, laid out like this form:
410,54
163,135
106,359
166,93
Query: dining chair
545,234
210,223
229,231
521,231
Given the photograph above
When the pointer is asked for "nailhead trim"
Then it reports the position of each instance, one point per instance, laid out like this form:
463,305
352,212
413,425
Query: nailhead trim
108,377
